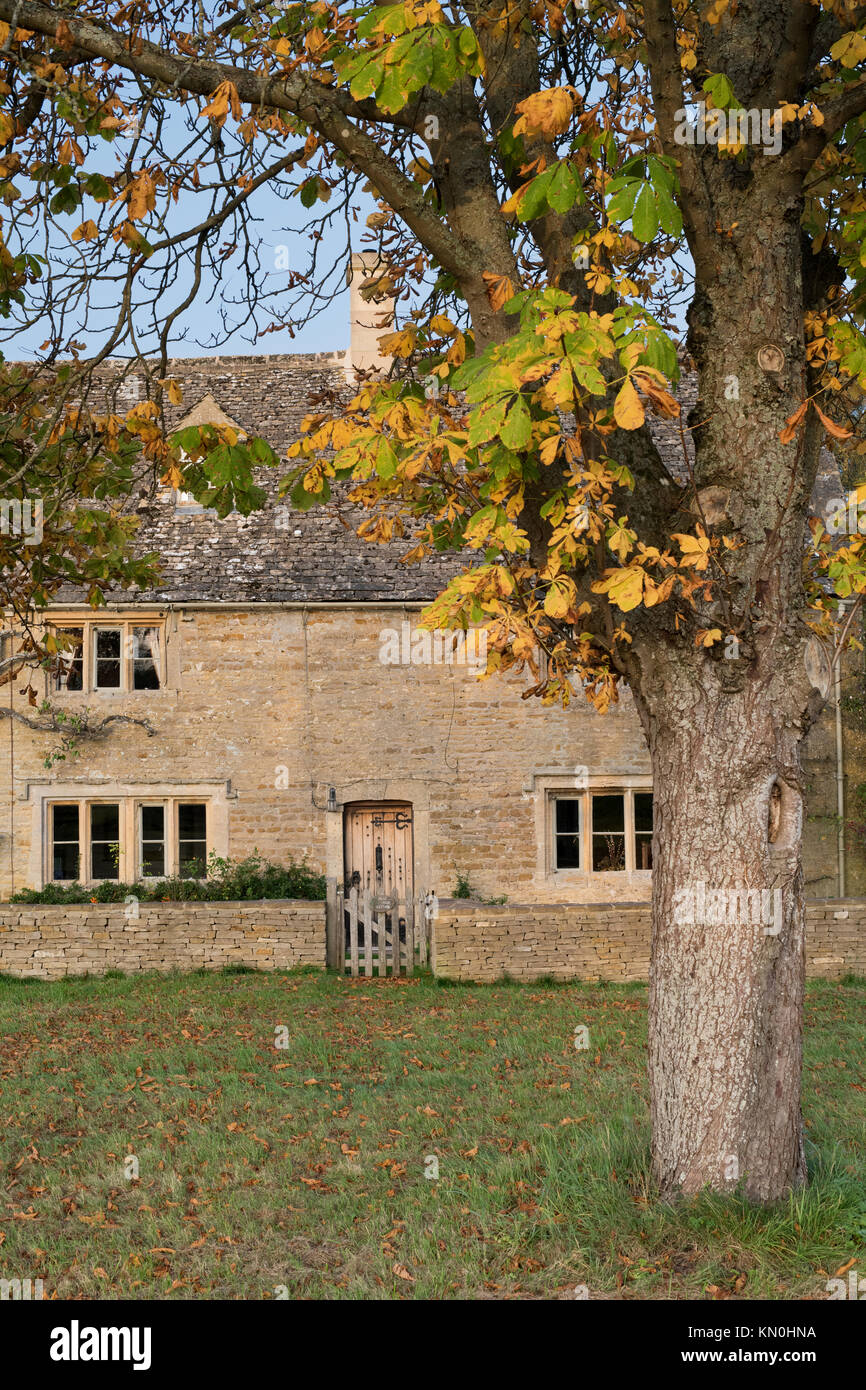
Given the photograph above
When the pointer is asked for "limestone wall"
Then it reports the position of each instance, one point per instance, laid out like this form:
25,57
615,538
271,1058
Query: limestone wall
48,942
607,942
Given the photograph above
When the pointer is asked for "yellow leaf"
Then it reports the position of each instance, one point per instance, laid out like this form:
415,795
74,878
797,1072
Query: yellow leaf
850,50
707,636
7,128
175,395
560,597
547,113
695,549
628,409
142,196
400,344
624,587
86,232
549,448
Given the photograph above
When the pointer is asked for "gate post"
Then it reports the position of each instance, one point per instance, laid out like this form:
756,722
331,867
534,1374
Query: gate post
333,927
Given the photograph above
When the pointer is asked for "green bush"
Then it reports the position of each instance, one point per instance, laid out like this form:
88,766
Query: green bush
226,880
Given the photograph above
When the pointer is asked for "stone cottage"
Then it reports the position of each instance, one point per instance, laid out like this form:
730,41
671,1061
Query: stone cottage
296,712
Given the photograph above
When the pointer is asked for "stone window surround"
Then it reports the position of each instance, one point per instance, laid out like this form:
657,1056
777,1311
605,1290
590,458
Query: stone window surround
217,795
546,785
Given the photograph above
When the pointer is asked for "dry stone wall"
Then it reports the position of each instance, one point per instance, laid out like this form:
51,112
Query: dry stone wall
607,942
48,942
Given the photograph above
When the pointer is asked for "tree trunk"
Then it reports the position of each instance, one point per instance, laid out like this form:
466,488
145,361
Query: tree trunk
727,974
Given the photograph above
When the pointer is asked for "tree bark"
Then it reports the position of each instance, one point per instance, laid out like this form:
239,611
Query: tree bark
727,973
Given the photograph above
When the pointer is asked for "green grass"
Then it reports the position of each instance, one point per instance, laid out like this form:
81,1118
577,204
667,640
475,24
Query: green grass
304,1167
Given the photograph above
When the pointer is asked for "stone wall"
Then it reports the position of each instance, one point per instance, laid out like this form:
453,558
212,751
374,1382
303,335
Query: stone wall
48,942
607,941
471,941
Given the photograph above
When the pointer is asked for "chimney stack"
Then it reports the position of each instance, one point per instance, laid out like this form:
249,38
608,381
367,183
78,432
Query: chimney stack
371,314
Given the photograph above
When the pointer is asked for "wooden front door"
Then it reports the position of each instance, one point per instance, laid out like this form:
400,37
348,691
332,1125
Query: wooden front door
378,848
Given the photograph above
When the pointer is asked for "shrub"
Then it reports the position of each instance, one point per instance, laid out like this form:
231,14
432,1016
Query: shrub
227,880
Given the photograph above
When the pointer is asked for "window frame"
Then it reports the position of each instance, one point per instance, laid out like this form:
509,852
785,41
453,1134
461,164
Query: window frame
130,858
189,801
51,839
556,788
106,622
91,841
581,834
151,803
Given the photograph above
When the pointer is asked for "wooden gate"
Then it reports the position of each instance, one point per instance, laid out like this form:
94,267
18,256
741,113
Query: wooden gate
376,906
379,934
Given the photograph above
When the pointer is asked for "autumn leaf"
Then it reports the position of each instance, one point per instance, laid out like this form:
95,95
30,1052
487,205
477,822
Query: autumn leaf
546,113
786,434
549,448
141,196
175,394
695,549
223,100
628,408
850,50
652,385
624,587
705,637
63,35
70,152
499,290
835,431
402,1273
400,344
560,597
86,232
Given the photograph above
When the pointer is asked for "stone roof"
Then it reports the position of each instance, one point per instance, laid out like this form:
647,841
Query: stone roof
278,555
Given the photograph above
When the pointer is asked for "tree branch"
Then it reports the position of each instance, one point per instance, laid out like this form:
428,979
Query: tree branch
49,724
327,111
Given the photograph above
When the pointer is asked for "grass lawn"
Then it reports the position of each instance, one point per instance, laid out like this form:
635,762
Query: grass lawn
305,1166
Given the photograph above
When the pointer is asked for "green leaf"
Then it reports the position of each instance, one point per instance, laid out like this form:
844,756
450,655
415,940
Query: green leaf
563,190
719,88
517,430
645,218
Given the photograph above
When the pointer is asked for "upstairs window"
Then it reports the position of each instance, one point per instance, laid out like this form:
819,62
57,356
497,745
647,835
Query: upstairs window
122,656
70,675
